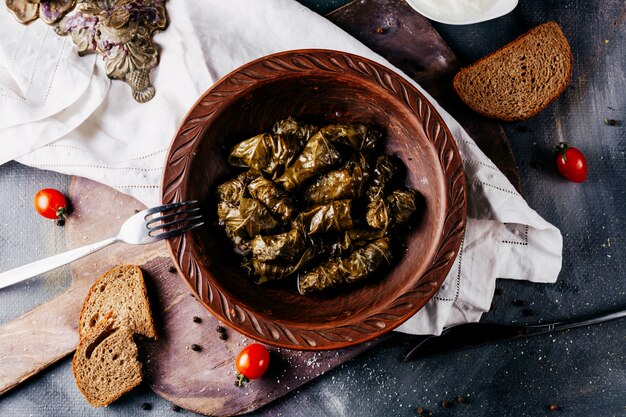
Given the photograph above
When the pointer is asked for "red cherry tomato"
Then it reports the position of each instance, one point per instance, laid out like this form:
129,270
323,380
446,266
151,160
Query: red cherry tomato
252,362
571,162
51,204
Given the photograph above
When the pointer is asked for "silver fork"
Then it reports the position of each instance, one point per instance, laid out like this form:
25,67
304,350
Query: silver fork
147,226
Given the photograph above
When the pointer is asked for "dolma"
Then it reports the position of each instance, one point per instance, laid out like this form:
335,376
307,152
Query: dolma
340,271
403,203
385,173
234,189
264,153
283,246
356,136
321,202
394,209
318,156
246,220
360,237
364,261
256,217
231,219
347,182
268,271
379,215
302,132
276,200
342,243
332,217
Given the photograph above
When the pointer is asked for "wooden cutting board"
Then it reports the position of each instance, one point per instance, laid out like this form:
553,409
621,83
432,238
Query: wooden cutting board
202,381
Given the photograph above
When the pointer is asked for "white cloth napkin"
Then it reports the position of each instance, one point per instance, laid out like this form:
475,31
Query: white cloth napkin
71,119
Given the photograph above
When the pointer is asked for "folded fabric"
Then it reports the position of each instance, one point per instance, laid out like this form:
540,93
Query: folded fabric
46,89
123,144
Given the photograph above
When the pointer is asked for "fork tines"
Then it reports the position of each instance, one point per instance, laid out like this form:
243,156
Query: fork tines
173,219
168,207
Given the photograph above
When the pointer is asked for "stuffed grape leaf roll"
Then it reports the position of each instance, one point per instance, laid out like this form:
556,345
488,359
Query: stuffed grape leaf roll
283,246
264,153
231,219
271,271
244,221
275,199
318,156
386,170
356,136
352,268
394,209
302,132
344,183
234,189
332,217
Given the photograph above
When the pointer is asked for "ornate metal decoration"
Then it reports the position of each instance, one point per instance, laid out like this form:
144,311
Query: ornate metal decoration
119,30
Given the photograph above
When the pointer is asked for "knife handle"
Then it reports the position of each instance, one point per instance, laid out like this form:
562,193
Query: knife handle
572,324
474,334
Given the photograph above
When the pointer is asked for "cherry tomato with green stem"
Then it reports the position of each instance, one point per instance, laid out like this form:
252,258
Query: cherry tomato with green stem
51,204
252,362
571,162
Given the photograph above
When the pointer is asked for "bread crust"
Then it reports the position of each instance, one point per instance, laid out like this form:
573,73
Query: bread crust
507,47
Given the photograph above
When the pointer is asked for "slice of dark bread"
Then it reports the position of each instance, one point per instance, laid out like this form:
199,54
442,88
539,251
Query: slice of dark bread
105,364
120,290
520,79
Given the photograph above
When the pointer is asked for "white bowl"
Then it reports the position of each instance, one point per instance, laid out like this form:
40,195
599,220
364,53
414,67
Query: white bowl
453,15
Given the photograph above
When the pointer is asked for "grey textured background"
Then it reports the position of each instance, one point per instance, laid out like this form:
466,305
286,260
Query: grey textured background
583,371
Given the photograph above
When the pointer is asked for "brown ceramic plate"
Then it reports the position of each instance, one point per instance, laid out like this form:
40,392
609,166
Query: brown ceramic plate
318,86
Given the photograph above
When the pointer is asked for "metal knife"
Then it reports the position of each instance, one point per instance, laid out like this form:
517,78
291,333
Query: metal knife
468,335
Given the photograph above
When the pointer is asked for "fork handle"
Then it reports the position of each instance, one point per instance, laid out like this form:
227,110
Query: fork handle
22,273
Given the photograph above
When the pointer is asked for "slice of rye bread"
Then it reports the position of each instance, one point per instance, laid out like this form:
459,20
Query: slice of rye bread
120,290
520,79
105,364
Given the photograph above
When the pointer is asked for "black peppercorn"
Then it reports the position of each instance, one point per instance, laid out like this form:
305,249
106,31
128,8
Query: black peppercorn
172,269
146,406
196,347
176,408
223,336
196,319
610,122
220,329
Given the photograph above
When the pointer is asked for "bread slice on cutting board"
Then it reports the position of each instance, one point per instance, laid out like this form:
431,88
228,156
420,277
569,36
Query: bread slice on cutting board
520,79
120,290
105,364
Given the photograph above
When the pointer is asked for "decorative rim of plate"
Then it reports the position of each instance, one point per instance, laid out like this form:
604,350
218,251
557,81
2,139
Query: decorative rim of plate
400,309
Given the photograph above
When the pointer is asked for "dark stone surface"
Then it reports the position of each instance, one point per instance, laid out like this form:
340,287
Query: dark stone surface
582,371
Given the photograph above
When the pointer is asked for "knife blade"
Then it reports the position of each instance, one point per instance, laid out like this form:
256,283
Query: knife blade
468,335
